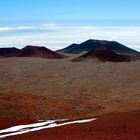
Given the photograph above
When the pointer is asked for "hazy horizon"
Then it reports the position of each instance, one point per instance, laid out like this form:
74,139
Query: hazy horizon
57,35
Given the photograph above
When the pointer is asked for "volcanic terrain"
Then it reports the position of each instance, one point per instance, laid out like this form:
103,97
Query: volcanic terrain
104,55
8,52
38,51
34,88
96,44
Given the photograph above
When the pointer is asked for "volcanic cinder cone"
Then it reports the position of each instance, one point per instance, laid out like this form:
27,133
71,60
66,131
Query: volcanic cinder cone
38,51
103,54
96,44
8,52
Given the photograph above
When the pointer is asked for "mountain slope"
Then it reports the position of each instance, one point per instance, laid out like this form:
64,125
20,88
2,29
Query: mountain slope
103,54
67,49
8,52
37,51
94,44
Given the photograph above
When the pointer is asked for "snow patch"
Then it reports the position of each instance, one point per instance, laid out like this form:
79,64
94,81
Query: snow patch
22,129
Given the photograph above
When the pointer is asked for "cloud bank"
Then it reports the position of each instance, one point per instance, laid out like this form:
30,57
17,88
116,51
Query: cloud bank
58,36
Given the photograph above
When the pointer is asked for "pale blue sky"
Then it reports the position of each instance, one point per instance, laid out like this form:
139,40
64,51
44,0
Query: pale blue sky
69,10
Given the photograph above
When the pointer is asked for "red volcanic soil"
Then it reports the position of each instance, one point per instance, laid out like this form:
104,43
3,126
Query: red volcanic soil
116,126
8,52
104,54
37,51
12,122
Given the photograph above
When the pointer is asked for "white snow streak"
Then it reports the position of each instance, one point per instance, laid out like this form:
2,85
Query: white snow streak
22,129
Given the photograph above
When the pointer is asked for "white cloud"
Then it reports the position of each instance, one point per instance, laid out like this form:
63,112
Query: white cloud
2,29
57,36
39,27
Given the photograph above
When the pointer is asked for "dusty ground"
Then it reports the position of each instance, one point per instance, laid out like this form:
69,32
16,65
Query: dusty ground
36,88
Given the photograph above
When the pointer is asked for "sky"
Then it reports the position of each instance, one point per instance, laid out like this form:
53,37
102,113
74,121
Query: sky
69,9
58,23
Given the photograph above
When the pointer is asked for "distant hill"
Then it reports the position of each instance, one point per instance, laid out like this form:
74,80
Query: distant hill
94,44
8,52
103,54
67,49
38,51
